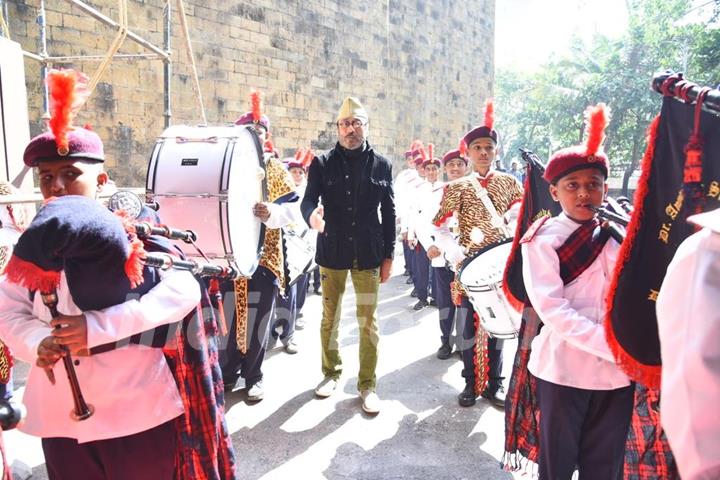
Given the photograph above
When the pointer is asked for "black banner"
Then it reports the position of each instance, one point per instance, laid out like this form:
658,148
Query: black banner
536,203
662,204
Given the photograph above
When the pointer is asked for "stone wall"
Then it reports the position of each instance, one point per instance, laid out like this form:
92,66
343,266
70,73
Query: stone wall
422,68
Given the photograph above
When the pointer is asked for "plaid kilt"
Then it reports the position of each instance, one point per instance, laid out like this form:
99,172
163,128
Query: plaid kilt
522,415
205,450
647,452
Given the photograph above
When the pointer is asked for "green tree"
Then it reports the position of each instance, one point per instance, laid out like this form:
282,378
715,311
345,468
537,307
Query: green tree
542,110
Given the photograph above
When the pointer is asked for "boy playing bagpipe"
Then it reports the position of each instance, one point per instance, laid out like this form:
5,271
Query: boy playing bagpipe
151,386
585,400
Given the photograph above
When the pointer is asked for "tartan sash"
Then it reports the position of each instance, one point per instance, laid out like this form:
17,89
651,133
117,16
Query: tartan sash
522,414
581,249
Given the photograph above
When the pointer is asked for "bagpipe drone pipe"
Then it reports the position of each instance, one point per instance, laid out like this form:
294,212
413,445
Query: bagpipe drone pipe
680,177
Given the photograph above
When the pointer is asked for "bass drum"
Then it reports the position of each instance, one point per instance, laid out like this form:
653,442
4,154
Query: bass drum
207,179
481,276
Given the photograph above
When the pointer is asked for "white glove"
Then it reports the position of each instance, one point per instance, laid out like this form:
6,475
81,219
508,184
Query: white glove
455,255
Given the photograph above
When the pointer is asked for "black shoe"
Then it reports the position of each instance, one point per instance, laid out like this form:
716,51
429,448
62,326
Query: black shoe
409,280
420,305
413,293
317,291
467,397
432,302
497,398
444,352
406,273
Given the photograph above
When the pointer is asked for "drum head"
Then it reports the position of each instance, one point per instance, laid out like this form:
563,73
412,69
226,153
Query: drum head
207,179
486,266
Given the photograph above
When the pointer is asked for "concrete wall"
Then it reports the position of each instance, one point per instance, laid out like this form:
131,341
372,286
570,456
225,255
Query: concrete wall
423,69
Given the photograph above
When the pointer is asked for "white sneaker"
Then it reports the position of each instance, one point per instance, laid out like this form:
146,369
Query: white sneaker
256,392
371,402
326,387
291,347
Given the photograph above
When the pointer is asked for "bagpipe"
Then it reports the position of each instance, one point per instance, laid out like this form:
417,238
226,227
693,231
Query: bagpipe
104,259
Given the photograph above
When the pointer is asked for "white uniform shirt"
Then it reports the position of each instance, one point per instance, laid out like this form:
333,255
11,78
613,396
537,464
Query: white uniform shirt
131,388
571,349
405,187
428,200
688,313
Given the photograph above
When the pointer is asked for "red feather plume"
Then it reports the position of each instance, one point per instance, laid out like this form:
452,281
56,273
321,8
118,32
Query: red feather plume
309,155
67,90
423,154
431,147
596,121
269,146
463,148
417,144
256,105
489,114
299,154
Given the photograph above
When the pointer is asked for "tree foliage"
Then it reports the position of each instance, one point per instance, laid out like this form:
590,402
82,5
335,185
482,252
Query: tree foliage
542,111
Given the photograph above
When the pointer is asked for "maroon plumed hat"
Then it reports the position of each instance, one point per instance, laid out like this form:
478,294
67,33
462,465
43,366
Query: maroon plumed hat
68,91
303,158
82,144
486,130
430,158
453,154
254,116
590,155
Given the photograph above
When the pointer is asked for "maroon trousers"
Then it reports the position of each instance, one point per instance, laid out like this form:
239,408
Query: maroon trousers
148,455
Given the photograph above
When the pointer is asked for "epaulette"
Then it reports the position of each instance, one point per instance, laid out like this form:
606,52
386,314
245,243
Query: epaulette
532,231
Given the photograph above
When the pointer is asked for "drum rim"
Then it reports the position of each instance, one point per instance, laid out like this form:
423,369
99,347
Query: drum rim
469,259
263,227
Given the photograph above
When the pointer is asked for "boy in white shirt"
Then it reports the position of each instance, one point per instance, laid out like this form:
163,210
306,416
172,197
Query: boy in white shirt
585,400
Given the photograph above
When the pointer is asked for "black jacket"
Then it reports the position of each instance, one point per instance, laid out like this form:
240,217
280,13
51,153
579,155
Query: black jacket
355,229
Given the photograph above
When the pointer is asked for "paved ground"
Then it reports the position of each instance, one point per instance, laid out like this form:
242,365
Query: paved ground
421,432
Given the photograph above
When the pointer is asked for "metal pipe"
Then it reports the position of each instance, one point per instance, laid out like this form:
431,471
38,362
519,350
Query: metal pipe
34,56
43,54
4,9
692,90
36,196
108,21
165,261
167,64
93,58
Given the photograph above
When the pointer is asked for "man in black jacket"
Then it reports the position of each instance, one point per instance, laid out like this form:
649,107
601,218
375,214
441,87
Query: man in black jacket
356,237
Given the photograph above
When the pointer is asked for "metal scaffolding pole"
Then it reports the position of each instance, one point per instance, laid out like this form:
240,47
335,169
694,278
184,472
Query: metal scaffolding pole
167,64
41,20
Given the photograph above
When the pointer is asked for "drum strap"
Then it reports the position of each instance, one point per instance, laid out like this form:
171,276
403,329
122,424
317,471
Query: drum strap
497,220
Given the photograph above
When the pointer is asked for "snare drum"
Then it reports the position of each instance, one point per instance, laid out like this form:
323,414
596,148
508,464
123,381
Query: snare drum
481,276
206,179
300,243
